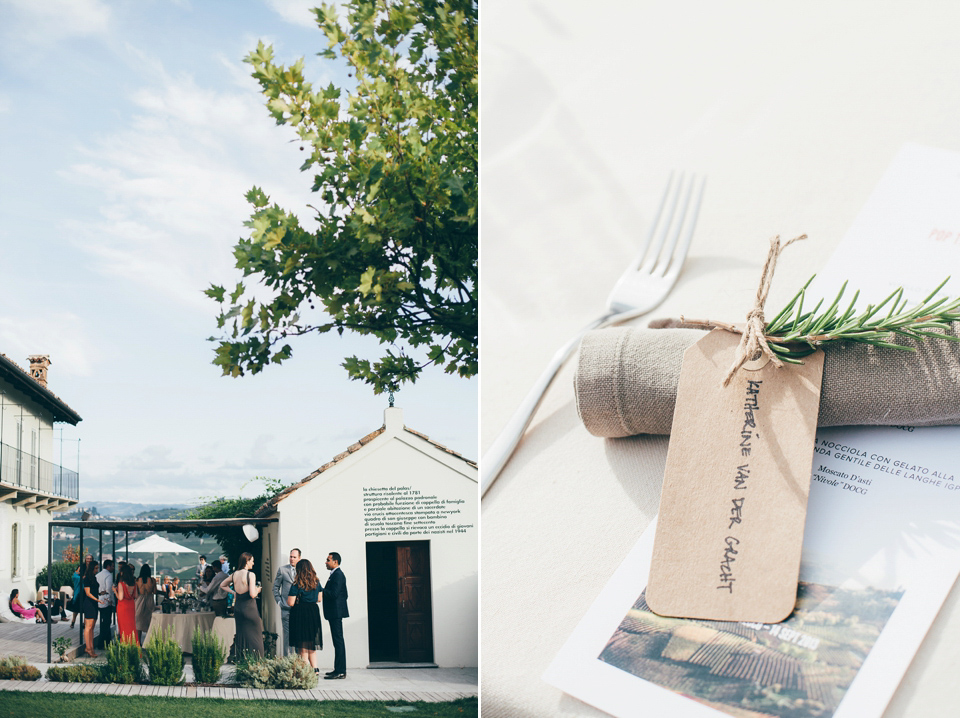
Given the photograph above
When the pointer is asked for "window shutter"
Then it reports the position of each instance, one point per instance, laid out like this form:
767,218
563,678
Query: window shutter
31,550
15,550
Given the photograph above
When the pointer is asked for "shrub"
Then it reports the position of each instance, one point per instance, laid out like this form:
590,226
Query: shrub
16,668
269,644
209,653
164,658
20,673
280,672
123,662
252,671
80,673
62,574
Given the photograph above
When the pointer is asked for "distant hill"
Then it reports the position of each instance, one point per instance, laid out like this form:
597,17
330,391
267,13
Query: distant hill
125,510
168,513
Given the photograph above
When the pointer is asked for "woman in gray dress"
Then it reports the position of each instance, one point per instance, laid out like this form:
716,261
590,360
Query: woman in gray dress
249,626
146,586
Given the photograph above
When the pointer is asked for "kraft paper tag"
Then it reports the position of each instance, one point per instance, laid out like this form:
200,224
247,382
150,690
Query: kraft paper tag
734,499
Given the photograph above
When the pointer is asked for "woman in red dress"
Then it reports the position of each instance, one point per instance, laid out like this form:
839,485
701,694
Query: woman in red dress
126,591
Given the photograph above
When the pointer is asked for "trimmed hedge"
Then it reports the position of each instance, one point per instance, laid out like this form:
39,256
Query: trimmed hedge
208,656
62,574
123,662
164,658
280,672
16,668
79,673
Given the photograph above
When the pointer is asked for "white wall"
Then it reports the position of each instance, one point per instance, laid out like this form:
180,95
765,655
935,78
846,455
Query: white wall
14,408
327,514
26,581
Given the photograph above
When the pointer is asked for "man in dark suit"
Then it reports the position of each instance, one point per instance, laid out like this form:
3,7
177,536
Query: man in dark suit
335,610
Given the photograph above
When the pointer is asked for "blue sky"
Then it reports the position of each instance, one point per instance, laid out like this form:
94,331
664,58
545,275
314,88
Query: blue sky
130,132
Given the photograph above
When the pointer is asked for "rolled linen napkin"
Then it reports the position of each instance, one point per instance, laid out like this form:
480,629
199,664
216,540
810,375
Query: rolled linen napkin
626,382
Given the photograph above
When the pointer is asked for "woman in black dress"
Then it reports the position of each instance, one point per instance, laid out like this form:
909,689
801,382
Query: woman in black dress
249,626
306,633
91,601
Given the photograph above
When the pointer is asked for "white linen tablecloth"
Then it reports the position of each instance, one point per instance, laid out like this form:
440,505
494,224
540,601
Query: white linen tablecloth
183,624
793,112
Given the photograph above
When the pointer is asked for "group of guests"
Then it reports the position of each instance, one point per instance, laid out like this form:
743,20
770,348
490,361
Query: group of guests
297,591
96,597
214,581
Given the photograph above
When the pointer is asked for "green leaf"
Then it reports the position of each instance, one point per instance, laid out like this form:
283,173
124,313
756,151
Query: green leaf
391,251
931,318
236,293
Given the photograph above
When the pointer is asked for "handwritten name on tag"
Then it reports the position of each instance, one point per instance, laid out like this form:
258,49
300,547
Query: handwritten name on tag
734,498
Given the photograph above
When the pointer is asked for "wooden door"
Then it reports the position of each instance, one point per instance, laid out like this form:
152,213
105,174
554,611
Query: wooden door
415,614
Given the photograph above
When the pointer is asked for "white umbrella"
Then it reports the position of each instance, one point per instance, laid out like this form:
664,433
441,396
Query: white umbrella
155,544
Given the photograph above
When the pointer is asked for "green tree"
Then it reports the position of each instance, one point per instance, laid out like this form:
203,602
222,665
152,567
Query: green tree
393,251
232,540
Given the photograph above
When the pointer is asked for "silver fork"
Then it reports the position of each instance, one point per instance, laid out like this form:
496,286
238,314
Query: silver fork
645,283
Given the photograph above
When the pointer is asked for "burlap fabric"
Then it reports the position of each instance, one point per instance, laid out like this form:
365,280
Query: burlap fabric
626,382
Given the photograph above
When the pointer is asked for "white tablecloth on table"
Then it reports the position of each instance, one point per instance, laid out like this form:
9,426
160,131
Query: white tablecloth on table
226,629
184,625
794,113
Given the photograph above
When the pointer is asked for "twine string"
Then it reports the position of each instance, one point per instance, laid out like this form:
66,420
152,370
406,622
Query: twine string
753,342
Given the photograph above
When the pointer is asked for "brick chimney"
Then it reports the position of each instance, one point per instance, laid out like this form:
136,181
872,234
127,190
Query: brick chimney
38,367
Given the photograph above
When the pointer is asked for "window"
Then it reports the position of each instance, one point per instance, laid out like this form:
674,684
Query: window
31,550
15,551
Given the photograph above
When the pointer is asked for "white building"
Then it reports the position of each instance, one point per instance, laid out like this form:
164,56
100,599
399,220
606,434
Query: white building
402,512
32,487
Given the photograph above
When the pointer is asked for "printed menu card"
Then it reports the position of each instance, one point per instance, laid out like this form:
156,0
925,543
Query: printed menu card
881,546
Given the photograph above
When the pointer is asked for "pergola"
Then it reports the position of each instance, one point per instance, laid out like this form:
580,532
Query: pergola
172,525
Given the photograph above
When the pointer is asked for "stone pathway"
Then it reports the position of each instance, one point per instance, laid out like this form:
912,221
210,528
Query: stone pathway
431,685
230,692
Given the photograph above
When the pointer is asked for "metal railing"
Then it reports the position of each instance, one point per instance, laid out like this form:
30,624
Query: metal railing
23,470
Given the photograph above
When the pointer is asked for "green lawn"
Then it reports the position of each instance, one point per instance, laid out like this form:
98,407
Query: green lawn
19,703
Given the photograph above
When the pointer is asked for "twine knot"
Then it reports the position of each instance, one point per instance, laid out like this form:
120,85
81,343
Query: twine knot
753,341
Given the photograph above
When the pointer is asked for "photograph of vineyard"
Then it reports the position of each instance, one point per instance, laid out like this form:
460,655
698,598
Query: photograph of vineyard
799,668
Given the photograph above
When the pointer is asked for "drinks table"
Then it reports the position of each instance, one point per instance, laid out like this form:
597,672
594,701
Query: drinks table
184,625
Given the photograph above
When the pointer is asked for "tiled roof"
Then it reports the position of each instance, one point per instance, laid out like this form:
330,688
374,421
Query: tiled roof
271,504
21,379
441,446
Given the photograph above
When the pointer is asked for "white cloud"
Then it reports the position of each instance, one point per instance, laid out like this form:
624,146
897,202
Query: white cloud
152,458
263,459
152,475
173,181
51,20
300,12
59,334
296,12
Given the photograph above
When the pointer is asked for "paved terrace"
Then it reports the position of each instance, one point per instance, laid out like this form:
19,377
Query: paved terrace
30,639
431,685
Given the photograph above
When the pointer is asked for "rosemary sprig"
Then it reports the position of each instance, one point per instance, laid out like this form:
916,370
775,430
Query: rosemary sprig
794,333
